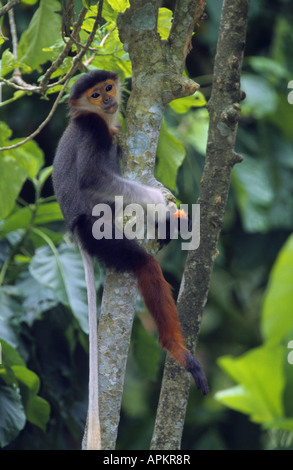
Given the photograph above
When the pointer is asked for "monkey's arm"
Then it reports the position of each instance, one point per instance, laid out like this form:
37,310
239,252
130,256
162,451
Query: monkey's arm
104,185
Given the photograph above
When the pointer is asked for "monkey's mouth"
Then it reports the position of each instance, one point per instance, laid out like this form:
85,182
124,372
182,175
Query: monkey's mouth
110,109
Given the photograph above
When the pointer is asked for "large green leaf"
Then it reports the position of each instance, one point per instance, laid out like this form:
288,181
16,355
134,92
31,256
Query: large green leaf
194,127
182,105
170,153
37,409
19,219
10,309
11,181
164,22
35,297
8,64
254,194
111,54
119,5
16,165
63,272
261,97
260,378
15,373
43,31
13,416
277,322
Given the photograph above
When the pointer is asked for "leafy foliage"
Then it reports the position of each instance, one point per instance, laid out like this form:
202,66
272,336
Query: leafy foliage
261,373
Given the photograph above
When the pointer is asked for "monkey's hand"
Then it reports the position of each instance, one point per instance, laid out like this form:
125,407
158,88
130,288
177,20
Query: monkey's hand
153,196
175,220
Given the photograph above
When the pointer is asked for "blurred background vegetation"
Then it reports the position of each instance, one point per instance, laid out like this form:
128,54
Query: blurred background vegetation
247,327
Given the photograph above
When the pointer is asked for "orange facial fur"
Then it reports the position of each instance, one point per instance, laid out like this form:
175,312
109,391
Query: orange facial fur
102,92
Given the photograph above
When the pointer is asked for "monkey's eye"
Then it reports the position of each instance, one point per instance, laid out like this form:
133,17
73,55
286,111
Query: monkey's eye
109,87
95,95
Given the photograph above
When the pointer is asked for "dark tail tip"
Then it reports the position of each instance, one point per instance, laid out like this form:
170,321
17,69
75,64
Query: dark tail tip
194,367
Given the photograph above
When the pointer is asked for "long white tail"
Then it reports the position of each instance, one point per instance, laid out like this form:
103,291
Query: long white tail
93,425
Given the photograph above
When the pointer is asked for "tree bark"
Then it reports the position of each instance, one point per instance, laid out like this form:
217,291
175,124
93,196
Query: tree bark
224,110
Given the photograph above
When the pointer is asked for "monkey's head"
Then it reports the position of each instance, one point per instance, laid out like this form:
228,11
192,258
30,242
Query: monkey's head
96,92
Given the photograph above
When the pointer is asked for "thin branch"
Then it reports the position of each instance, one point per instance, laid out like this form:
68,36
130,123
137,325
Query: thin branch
42,125
10,4
16,78
13,34
54,66
107,36
25,87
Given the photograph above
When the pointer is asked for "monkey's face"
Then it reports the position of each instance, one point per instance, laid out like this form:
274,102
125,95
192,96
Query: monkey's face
102,97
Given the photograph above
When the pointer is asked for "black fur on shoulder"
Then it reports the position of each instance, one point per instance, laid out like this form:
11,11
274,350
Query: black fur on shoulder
88,80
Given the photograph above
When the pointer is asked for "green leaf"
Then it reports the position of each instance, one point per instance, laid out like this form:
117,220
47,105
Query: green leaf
254,194
261,97
16,165
37,409
64,273
194,129
18,220
41,237
12,415
146,351
10,355
10,309
21,218
119,5
183,105
11,181
27,378
86,3
29,156
164,22
276,322
111,54
35,298
267,67
38,412
30,2
43,31
16,96
170,153
47,213
8,64
260,377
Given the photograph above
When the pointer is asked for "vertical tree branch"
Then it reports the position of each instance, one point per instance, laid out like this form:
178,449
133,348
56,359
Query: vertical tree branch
115,324
224,110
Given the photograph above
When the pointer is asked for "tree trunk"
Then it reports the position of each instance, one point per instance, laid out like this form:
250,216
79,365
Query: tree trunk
224,110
